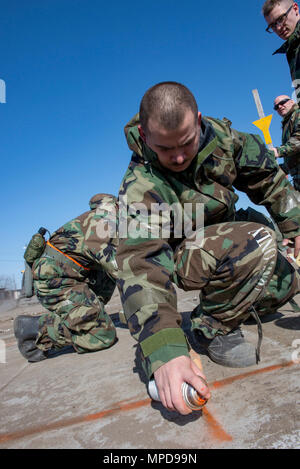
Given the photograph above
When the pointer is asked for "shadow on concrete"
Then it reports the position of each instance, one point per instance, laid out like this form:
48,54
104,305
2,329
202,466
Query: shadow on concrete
291,322
264,319
175,417
57,352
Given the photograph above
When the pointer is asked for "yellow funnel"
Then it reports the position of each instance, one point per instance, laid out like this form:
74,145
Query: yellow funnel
264,125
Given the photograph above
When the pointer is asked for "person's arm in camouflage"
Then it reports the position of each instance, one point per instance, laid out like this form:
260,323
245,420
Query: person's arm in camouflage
259,176
145,267
292,146
149,299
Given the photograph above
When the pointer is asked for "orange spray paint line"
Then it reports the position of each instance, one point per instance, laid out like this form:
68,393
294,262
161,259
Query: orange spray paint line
216,429
124,406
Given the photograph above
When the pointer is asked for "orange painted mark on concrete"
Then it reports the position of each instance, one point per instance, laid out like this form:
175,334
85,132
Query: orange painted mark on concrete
4,438
231,379
216,429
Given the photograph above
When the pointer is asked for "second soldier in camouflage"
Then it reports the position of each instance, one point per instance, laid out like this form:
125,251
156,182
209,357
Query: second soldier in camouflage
73,279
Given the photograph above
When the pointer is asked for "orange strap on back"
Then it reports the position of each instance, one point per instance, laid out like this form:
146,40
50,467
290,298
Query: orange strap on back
73,260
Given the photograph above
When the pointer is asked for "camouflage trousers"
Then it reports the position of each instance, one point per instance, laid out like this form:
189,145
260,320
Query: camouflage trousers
250,214
76,307
236,266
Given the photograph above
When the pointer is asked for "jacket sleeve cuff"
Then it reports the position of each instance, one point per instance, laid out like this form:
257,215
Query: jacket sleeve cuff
289,228
162,347
280,151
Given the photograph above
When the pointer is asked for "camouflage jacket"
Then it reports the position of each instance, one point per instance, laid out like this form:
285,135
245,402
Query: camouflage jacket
291,48
226,159
85,238
290,148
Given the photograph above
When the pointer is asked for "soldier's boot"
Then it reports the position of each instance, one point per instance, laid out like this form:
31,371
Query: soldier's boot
229,350
26,329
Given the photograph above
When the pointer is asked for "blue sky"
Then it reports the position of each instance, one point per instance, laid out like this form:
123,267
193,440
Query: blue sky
75,71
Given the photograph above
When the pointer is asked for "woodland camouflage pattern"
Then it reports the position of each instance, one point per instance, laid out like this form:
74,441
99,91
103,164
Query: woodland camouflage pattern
75,296
290,148
291,48
236,266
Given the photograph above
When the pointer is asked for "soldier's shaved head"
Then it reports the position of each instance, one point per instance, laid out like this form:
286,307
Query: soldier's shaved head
269,5
283,104
167,103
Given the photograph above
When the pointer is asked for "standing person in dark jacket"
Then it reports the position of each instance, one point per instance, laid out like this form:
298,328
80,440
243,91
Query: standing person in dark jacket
289,150
282,17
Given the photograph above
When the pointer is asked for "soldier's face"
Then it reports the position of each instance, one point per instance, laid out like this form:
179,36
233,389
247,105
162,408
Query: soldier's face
283,107
287,26
177,148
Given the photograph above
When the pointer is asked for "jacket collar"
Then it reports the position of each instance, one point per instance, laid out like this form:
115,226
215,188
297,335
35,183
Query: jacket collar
291,42
288,115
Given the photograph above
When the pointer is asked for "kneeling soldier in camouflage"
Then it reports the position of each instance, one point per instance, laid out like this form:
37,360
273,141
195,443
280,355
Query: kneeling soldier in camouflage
181,158
74,278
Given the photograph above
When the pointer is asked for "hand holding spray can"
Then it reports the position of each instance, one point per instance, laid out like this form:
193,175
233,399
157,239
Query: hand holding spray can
190,396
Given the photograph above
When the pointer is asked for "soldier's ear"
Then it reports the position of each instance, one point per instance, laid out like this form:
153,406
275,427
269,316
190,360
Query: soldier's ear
142,133
199,118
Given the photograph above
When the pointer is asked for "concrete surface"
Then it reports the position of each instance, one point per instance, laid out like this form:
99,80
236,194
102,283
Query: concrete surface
99,400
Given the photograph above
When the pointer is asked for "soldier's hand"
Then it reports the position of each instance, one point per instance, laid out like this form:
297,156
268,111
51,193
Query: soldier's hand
295,243
169,379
